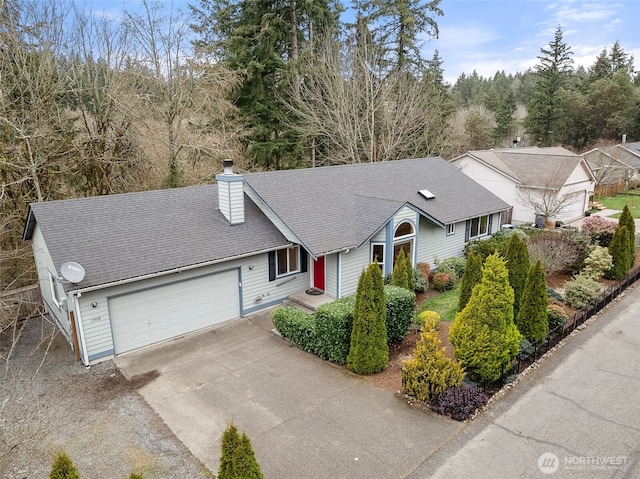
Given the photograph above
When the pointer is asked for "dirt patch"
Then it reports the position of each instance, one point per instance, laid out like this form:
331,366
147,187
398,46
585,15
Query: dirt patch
50,403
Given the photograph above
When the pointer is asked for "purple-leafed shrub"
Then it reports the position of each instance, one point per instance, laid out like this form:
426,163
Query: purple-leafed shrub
459,403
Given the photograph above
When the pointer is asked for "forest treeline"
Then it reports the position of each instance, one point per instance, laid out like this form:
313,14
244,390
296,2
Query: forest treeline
155,98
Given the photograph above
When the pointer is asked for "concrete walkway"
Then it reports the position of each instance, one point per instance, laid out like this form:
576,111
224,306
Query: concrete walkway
574,417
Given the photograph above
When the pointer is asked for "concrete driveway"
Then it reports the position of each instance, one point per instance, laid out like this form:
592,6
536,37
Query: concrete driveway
306,418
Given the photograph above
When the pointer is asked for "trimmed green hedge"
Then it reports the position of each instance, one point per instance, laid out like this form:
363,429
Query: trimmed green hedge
296,326
333,329
328,332
401,306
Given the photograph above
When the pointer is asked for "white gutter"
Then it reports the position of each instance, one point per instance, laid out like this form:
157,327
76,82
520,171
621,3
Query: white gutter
174,270
83,345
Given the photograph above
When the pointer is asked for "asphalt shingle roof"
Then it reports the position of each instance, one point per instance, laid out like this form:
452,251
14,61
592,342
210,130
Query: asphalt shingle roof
125,236
336,207
536,167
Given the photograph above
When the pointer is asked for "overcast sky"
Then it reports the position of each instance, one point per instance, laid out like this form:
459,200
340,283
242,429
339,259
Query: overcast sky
492,35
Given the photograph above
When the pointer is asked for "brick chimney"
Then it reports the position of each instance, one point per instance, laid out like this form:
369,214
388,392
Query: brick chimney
231,194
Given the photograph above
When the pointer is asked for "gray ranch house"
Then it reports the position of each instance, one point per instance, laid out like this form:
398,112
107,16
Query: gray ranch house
124,271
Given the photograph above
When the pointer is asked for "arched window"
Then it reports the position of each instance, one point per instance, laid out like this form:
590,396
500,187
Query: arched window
403,239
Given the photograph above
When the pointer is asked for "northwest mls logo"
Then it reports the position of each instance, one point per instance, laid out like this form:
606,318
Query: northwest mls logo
548,463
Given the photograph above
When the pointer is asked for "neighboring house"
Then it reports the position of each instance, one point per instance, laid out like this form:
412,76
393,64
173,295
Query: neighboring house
611,174
614,166
159,264
537,182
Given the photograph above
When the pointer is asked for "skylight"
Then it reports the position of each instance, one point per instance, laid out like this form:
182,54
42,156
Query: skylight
427,194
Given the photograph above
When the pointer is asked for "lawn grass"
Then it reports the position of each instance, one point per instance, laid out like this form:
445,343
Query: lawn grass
618,202
445,304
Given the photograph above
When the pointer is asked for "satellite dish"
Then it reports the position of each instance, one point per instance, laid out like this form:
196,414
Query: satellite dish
72,272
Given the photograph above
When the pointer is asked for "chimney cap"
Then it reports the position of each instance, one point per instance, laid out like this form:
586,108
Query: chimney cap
227,166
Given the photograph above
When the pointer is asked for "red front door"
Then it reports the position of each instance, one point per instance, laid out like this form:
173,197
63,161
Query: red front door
318,273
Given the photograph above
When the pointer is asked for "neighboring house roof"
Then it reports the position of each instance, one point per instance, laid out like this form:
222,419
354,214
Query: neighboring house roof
338,207
532,167
119,237
606,168
627,153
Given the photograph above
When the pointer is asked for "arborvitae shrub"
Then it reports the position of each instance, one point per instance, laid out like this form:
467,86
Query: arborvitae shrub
63,468
369,352
429,371
402,275
626,219
237,460
619,251
581,291
483,334
472,276
517,260
532,319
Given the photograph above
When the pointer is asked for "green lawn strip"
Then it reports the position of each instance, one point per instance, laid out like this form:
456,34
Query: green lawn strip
445,304
618,202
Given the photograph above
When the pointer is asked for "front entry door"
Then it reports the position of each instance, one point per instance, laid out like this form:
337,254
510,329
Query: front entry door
318,273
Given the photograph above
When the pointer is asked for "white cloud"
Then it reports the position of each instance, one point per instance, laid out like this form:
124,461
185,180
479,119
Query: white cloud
466,36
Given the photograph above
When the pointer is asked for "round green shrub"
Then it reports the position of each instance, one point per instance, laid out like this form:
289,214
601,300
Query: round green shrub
453,266
428,321
581,291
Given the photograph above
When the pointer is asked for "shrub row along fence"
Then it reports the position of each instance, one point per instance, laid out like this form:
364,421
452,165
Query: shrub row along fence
526,358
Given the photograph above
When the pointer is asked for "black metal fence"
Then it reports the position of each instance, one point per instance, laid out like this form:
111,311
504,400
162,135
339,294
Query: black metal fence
526,358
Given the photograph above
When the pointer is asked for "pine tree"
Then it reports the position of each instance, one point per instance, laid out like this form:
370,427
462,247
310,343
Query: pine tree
429,371
548,116
369,352
63,468
237,459
483,334
472,276
619,251
626,219
532,321
518,263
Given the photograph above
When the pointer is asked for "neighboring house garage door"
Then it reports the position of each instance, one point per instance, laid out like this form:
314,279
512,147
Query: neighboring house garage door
163,312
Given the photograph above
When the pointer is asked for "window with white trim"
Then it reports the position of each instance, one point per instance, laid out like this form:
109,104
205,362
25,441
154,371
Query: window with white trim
55,296
451,229
478,227
403,239
288,261
377,254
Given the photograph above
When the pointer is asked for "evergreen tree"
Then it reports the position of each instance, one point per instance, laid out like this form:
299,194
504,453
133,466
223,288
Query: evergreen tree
484,336
402,275
626,219
549,113
399,26
63,468
237,459
471,276
505,118
619,251
369,352
532,321
518,263
261,39
429,371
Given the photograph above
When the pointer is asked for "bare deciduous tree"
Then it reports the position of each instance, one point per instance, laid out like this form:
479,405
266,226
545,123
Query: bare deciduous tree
356,114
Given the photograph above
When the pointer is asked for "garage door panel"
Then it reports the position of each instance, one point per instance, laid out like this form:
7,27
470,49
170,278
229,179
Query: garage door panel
151,315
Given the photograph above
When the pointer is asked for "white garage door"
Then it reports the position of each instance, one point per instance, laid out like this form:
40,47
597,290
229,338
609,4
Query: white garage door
163,312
